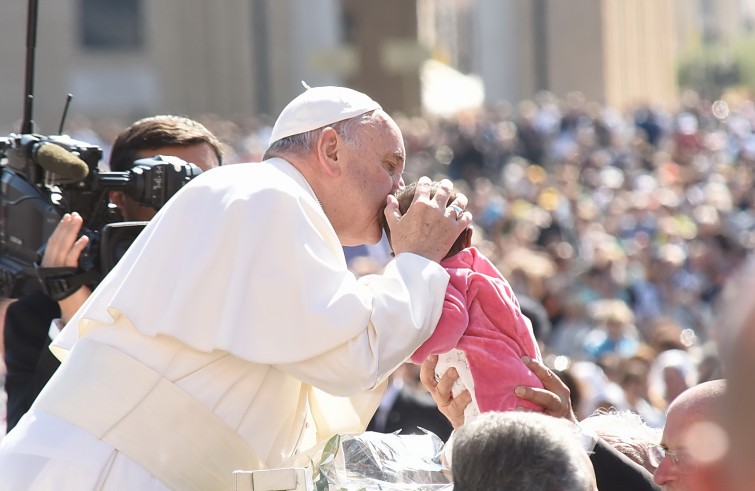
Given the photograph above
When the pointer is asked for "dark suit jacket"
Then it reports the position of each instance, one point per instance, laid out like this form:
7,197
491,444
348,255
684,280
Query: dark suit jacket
615,471
29,361
408,412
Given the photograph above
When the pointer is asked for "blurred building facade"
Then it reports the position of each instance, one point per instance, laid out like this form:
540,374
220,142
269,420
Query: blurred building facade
130,58
614,52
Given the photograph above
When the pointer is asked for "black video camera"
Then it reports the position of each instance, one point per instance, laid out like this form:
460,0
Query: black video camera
44,177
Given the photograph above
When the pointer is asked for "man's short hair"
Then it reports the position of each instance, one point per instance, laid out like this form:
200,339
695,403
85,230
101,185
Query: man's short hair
520,451
156,132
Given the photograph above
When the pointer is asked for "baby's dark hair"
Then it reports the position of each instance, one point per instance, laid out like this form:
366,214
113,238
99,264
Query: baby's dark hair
405,196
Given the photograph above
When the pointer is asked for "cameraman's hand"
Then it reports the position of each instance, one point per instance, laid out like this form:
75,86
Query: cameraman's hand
429,228
63,250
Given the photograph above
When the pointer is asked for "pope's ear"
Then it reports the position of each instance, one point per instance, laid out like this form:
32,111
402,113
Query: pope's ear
329,151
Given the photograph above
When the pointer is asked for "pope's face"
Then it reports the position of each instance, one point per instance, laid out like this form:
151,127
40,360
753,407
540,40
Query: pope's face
373,171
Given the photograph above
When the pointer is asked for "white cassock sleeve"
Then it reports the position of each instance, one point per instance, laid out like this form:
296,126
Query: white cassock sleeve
243,259
396,324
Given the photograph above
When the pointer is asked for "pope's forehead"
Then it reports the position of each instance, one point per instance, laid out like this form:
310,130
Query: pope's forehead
387,129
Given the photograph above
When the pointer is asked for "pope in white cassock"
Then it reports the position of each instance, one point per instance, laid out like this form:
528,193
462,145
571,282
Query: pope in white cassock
231,335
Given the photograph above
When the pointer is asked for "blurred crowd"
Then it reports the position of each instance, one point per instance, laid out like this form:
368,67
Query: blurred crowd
621,227
617,229
624,227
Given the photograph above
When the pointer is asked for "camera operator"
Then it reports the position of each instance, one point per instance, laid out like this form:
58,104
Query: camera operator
34,319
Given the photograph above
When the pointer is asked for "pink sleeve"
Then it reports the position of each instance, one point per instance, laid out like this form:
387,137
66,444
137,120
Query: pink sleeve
452,324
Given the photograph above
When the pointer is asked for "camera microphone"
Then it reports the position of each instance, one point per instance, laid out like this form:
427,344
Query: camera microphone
65,166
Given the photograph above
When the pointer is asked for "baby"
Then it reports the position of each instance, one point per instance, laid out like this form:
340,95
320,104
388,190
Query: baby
482,331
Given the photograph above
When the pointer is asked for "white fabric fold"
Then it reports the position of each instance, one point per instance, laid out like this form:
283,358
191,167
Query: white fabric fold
241,262
243,298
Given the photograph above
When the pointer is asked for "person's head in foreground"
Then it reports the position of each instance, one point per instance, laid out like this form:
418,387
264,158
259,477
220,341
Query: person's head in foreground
405,196
693,441
520,451
351,153
738,351
740,410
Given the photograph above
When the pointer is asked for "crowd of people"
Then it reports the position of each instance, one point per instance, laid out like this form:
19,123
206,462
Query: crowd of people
624,228
618,232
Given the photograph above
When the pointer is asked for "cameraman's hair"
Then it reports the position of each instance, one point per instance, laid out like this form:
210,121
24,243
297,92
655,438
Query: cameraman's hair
304,142
159,131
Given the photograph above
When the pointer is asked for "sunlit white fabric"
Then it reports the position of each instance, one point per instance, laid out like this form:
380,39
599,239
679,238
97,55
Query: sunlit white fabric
238,292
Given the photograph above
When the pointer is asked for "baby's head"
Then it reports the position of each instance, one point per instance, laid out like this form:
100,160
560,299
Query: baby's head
405,196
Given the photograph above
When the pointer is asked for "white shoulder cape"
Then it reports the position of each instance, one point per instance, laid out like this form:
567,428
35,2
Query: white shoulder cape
243,259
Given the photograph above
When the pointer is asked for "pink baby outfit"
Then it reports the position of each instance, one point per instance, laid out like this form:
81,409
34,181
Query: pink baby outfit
482,319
